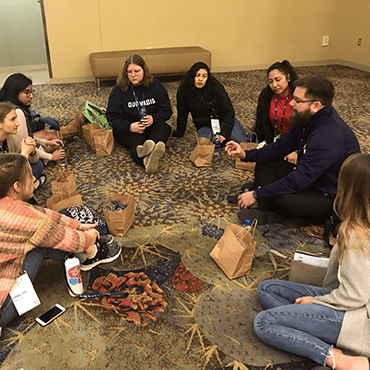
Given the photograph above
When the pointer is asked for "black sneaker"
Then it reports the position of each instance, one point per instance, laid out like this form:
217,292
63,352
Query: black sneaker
248,186
106,253
106,239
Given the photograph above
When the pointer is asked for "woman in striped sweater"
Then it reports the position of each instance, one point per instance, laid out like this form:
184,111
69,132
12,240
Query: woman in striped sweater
29,234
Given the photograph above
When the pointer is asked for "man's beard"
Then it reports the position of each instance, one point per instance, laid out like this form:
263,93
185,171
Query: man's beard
299,119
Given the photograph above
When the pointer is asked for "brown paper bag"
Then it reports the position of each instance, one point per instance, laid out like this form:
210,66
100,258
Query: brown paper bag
304,273
64,186
120,221
99,140
202,154
57,203
247,166
234,251
104,142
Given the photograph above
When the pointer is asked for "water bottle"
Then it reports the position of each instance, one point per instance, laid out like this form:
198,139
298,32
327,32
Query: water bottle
142,113
62,162
216,141
73,274
248,225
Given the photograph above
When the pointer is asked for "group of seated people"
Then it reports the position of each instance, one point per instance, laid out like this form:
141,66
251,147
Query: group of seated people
311,165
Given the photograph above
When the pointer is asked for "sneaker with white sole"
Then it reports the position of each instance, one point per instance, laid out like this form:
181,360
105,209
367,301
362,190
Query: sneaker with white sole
106,253
106,239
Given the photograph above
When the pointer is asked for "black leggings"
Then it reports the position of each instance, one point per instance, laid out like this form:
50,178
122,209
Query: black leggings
309,204
160,131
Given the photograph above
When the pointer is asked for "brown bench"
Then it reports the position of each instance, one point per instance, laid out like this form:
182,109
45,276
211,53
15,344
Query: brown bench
161,61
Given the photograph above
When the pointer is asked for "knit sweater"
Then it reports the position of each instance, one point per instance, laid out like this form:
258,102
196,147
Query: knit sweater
350,280
24,227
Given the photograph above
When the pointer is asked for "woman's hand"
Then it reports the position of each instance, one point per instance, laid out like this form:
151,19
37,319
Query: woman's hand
137,127
147,120
28,146
84,227
233,148
292,158
304,300
58,154
55,142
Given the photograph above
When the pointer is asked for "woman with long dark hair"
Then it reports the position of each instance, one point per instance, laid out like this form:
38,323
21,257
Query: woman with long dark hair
209,104
138,108
319,323
18,91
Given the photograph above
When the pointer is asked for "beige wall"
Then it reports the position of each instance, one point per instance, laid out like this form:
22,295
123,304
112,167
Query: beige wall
241,34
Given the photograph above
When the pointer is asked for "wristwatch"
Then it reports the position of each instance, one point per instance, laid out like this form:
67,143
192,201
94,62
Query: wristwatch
254,195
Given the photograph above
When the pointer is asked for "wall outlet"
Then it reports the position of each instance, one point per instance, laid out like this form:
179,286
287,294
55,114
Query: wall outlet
359,41
325,41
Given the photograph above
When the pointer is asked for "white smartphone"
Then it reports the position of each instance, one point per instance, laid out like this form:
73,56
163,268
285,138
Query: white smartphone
50,315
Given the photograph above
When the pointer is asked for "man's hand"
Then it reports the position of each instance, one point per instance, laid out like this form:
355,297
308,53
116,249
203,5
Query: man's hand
292,158
245,200
222,138
233,148
304,300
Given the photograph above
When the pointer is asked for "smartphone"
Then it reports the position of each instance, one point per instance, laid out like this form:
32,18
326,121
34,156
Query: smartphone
232,199
50,315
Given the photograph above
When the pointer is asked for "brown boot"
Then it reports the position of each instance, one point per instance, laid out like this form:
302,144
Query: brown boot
74,127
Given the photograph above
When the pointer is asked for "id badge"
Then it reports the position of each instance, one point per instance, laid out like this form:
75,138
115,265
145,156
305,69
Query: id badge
24,295
276,138
215,123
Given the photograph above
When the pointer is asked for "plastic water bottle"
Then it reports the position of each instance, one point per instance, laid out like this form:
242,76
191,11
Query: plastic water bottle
216,141
62,162
73,274
248,225
142,113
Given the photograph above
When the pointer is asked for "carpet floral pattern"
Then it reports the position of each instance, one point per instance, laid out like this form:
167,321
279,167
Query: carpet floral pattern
179,310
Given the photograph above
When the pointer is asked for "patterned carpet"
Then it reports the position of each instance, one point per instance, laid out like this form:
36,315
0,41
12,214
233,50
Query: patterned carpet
200,318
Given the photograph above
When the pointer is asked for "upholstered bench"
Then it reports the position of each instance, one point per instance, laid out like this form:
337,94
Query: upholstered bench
160,61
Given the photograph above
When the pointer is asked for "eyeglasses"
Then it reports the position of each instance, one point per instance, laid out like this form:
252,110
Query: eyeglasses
298,101
136,71
28,92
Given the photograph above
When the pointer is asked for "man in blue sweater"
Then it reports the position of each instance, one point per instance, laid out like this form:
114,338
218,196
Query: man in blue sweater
307,188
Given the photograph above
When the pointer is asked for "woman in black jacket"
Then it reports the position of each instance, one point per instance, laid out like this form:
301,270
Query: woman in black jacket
209,104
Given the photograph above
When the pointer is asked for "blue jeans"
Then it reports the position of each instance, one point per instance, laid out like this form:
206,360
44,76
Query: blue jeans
308,330
31,264
37,168
237,133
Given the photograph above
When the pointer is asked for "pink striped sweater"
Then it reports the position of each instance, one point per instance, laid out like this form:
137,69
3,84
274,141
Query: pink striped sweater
24,227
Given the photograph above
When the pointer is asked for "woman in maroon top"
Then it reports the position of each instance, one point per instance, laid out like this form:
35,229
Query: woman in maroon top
273,109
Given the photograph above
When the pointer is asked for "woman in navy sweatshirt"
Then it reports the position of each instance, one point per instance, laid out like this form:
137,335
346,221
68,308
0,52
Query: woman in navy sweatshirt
138,108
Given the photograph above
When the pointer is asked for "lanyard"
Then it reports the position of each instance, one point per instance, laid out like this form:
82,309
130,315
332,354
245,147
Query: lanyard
137,100
282,117
4,147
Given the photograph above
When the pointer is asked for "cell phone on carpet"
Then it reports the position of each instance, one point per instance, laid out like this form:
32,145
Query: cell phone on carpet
51,314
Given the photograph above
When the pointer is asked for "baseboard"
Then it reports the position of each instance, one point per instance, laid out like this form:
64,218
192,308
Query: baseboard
70,80
311,63
20,69
342,62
